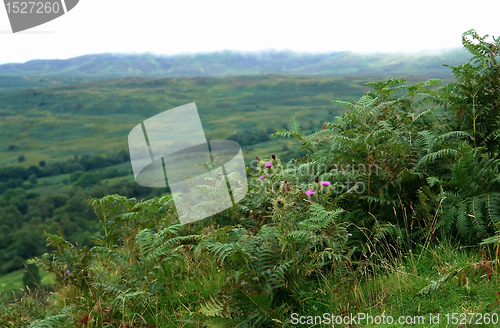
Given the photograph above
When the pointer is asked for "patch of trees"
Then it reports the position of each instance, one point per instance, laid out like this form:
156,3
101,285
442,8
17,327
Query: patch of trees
25,216
15,176
248,138
83,163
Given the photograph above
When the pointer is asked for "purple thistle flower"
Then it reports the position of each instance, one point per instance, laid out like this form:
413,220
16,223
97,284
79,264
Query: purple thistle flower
67,272
325,183
310,192
262,177
269,164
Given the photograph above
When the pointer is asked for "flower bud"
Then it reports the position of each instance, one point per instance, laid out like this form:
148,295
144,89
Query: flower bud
274,160
279,203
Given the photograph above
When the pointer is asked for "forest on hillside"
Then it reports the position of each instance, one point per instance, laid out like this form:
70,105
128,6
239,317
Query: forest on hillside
391,211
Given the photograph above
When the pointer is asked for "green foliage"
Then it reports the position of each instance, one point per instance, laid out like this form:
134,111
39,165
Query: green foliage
31,276
475,97
401,139
472,198
464,274
338,231
70,265
262,259
27,212
54,321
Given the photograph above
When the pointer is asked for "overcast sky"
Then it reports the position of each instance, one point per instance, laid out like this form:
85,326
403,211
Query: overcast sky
180,26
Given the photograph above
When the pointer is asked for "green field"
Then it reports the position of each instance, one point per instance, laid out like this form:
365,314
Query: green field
14,280
58,122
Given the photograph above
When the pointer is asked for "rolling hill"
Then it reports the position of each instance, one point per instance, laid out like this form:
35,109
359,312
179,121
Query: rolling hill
228,63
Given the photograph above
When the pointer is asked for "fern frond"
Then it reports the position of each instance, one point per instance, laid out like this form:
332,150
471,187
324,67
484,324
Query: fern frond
432,157
54,321
212,308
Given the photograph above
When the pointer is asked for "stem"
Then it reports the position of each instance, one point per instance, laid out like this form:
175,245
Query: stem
474,119
104,223
474,113
497,252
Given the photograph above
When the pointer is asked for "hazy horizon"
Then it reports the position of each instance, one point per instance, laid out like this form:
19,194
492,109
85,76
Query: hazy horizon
423,52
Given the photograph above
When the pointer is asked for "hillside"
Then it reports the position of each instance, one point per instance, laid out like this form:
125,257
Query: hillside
237,63
390,217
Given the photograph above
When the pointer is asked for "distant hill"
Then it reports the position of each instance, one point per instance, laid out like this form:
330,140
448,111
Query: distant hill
229,63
